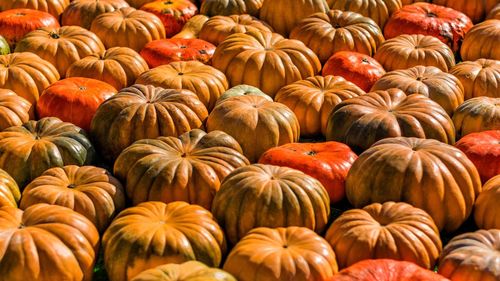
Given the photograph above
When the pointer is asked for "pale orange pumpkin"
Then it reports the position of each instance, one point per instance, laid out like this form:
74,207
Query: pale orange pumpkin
477,115
486,211
479,78
378,10
481,42
83,12
9,190
14,110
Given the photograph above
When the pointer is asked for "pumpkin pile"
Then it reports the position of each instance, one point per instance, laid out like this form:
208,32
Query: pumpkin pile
269,140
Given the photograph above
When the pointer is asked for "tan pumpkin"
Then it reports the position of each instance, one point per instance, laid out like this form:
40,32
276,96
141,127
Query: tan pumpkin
481,42
378,10
138,3
53,7
405,51
479,78
205,81
476,10
117,66
486,212
477,115
494,13
192,28
390,230
9,191
187,271
439,86
335,31
242,90
61,46
313,99
14,110
264,60
83,12
230,7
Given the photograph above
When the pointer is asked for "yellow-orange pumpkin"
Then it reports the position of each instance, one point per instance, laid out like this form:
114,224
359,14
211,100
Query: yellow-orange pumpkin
378,10
481,42
9,191
477,115
479,78
14,110
486,212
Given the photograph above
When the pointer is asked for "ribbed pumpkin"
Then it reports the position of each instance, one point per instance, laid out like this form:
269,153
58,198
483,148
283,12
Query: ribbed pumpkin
264,60
477,115
361,121
476,10
138,3
430,81
61,46
255,122
26,74
486,212
88,190
128,27
83,12
187,271
405,51
192,27
378,10
494,13
144,112
14,110
216,29
479,78
291,253
206,82
427,174
269,196
49,242
9,191
313,99
482,41
231,7
53,7
172,13
387,230
335,31
242,90
155,233
472,256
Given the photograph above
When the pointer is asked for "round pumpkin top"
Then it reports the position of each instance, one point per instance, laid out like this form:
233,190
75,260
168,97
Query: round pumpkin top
188,271
53,7
479,78
83,12
230,7
217,28
14,110
476,115
242,90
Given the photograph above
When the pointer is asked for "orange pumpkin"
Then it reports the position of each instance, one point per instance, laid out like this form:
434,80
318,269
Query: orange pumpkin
476,10
378,10
494,13
477,115
190,270
53,7
9,191
83,12
231,7
172,13
192,27
479,78
14,110
482,41
138,3
486,213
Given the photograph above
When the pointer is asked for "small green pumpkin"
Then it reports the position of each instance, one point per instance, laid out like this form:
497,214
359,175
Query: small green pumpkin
4,46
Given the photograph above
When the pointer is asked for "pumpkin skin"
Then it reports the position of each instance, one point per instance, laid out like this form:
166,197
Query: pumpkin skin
390,230
9,191
494,13
482,41
52,240
313,99
53,7
261,195
61,46
165,51
218,28
292,253
155,233
16,23
476,10
172,13
192,27
360,69
483,150
486,213
264,60
444,174
242,90
117,66
472,256
327,162
4,46
83,12
144,112
205,81
230,7
248,116
377,10
327,34
479,78
188,271
26,74
439,86
405,51
138,3
14,110
128,27
477,115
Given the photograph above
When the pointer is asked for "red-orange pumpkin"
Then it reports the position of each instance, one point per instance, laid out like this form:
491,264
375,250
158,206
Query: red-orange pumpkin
172,13
165,51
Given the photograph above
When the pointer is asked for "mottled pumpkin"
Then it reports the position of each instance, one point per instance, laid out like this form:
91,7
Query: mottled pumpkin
9,190
479,78
476,10
482,41
53,7
172,13
486,212
14,110
477,115
378,10
83,12
242,90
187,271
231,7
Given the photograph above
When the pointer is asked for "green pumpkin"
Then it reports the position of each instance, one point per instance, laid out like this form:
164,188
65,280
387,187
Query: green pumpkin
4,46
242,90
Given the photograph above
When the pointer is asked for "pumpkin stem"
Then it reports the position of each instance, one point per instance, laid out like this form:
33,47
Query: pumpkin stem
365,60
311,153
54,35
72,185
168,2
431,15
21,226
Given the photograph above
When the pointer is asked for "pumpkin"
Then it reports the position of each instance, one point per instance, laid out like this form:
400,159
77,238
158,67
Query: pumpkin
387,230
261,195
255,122
313,99
430,81
117,66
192,27
284,15
9,191
360,69
90,191
477,115
4,46
83,12
218,28
138,3
446,24
16,23
144,112
386,270
486,214
494,13
476,10
26,74
427,174
291,253
231,7
361,121
172,13
482,41
405,51
205,81
479,78
128,27
264,60
155,233
48,242
187,271
14,110
61,46
53,7
242,90
378,10
327,162
165,51
472,256
483,149
335,31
